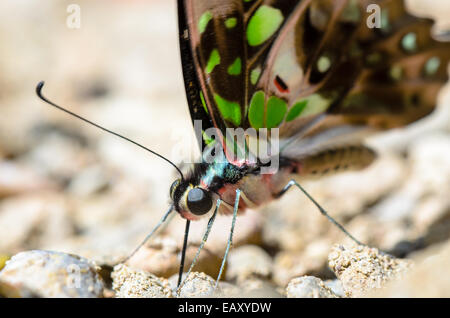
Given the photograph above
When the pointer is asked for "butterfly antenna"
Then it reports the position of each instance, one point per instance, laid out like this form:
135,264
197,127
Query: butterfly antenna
39,87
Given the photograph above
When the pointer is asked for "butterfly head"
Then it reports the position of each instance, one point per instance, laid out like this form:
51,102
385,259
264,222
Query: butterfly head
190,201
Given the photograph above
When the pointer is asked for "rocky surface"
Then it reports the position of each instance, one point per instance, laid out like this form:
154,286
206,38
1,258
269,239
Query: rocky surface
50,274
129,283
197,285
308,287
361,268
430,277
248,261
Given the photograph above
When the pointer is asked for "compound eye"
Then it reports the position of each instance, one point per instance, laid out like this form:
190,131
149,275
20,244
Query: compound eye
173,187
199,201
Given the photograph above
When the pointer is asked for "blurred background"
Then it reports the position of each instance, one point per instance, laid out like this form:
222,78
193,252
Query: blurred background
67,186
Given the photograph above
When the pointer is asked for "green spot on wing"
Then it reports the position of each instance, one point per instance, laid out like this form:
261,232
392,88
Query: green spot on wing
235,68
323,64
203,102
396,72
432,66
254,76
374,58
256,111
204,20
263,24
385,25
351,12
213,61
230,111
230,23
316,104
208,140
276,110
296,110
409,42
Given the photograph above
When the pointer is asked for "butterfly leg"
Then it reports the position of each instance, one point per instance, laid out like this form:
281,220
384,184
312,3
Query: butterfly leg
230,239
163,219
205,238
322,210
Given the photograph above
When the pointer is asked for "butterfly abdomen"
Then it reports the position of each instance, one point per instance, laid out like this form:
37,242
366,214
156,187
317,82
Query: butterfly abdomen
258,189
336,160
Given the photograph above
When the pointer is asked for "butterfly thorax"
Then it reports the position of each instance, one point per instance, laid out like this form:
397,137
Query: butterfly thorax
205,183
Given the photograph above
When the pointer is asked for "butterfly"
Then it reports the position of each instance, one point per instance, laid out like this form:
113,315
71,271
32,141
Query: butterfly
313,69
318,75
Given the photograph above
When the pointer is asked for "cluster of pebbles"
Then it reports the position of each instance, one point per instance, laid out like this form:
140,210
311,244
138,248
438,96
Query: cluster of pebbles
360,271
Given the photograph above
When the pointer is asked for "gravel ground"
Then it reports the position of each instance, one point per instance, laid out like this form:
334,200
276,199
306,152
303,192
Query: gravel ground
68,189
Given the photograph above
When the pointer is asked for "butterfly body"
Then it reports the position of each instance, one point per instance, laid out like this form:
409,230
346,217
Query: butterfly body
221,178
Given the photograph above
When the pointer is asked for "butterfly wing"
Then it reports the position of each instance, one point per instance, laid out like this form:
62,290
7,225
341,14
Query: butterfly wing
313,68
197,106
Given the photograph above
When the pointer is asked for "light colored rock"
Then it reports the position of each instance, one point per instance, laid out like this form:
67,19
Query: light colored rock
247,261
33,220
336,287
308,287
16,178
198,285
50,274
159,257
361,268
254,287
88,181
58,156
430,277
131,283
228,290
162,257
311,261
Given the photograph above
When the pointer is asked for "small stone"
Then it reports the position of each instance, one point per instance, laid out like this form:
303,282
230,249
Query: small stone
198,285
247,261
131,283
59,156
311,261
33,220
336,287
430,276
254,287
361,268
50,274
16,179
89,181
162,258
308,287
228,290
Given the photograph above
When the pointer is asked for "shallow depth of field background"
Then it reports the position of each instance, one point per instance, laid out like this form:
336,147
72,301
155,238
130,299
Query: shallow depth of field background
67,186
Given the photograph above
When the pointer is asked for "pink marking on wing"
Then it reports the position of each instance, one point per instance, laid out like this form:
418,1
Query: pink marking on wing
203,184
